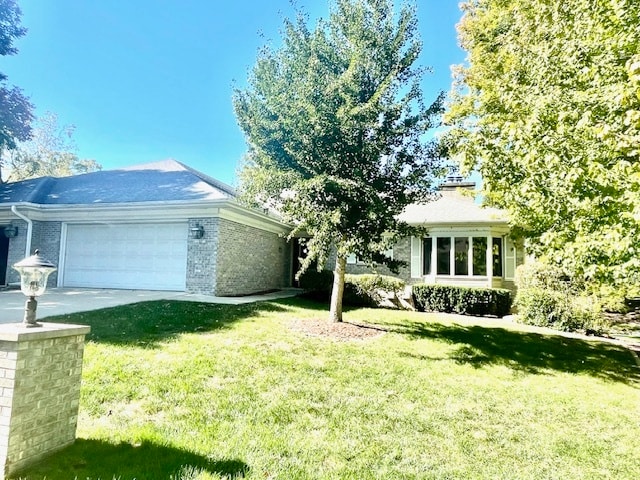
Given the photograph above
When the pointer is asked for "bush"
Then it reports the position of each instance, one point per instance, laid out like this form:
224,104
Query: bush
463,300
547,298
365,290
370,290
316,284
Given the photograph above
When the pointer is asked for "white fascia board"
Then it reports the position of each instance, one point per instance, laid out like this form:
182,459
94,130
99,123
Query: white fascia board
126,212
147,212
467,229
254,218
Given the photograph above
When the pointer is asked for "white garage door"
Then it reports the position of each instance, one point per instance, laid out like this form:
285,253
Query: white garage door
141,256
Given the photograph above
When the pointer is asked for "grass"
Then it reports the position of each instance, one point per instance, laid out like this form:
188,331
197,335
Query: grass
187,391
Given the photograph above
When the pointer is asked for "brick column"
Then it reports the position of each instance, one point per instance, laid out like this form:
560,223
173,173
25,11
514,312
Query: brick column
40,371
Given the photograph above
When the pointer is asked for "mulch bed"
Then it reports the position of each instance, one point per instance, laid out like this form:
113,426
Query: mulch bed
343,331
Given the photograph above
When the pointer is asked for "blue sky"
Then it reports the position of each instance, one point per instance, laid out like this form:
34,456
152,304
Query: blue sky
146,80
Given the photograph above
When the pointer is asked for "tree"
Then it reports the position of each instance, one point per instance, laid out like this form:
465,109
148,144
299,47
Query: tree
335,123
50,152
548,110
10,28
15,109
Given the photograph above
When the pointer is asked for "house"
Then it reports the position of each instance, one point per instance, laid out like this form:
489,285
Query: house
158,226
466,244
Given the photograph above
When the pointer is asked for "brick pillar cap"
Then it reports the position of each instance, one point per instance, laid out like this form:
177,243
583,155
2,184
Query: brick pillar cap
16,332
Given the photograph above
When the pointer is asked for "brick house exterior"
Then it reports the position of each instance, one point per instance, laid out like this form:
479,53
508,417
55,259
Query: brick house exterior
157,226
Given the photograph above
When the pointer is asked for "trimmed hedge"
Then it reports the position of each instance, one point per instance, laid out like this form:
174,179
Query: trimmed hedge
463,300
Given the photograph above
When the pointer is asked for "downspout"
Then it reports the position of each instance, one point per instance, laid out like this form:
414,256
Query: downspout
29,229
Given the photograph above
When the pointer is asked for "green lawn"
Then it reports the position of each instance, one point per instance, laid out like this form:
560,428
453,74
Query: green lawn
178,390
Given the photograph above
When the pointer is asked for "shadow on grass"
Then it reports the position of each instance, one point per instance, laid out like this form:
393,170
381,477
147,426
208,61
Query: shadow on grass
147,323
92,459
529,351
311,303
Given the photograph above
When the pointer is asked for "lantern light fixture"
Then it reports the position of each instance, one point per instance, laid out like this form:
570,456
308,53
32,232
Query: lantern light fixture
34,272
11,231
197,232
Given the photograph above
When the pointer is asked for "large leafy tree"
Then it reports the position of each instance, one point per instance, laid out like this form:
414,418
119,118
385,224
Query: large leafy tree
15,109
51,151
548,109
335,123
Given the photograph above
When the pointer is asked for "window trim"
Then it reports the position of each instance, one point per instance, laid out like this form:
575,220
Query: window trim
436,255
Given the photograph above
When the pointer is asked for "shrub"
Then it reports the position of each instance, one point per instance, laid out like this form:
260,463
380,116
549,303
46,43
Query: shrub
370,290
540,275
316,284
365,290
547,298
463,300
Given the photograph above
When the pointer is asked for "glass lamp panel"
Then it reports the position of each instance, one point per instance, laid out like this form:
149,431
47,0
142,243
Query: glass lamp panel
33,281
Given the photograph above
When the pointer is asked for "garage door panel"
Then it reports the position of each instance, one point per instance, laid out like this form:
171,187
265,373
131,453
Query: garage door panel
142,256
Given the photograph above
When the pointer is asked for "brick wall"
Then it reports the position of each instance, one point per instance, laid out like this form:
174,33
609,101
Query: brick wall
45,237
201,256
40,372
17,246
250,260
401,251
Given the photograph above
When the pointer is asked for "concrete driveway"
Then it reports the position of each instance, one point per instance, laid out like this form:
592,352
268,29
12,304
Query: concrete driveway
60,301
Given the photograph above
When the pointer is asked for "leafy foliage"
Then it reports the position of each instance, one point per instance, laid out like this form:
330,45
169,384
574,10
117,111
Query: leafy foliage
369,290
463,300
316,284
10,28
364,290
548,110
548,298
15,109
335,122
50,152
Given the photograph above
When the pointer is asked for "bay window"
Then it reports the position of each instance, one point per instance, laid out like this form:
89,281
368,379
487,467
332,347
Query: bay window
462,256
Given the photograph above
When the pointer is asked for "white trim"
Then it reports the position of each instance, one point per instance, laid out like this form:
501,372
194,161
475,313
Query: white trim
509,256
151,212
489,259
62,254
416,257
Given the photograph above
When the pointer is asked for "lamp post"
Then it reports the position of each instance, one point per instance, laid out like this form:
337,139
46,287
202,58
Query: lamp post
34,271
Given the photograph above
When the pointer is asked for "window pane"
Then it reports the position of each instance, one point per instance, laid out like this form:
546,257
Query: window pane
497,257
480,256
427,246
462,256
444,258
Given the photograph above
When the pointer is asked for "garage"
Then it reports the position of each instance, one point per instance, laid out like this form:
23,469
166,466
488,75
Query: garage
127,256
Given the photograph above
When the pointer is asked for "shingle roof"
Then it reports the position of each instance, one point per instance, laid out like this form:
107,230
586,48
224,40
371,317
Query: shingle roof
452,208
166,180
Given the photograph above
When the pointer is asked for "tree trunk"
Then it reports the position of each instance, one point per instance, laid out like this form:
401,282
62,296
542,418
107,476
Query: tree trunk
335,314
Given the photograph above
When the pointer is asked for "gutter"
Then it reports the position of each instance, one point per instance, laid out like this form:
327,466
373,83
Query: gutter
29,229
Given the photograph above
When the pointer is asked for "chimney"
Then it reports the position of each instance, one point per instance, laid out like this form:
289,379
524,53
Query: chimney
455,182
